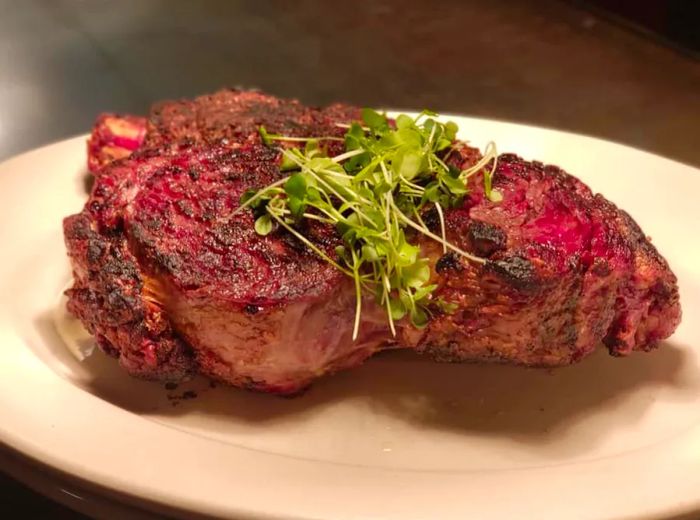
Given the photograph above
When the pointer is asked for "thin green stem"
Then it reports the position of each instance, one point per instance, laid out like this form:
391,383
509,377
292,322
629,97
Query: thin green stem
260,194
437,238
347,155
362,198
275,137
308,243
442,226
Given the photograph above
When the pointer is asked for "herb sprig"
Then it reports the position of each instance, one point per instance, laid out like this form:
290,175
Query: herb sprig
373,193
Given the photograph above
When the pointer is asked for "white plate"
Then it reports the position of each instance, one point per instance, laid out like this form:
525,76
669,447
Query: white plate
400,437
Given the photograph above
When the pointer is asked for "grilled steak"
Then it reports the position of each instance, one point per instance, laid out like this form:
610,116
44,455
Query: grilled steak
227,118
171,282
566,269
232,118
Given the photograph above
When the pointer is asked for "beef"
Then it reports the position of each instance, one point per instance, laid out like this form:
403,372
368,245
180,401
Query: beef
233,117
566,269
172,283
114,137
157,240
227,118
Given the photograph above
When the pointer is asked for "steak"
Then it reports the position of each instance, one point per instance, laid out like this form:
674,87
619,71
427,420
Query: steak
114,137
173,283
233,118
227,118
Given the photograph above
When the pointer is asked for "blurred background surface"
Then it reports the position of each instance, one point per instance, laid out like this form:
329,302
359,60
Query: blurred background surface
622,70
550,63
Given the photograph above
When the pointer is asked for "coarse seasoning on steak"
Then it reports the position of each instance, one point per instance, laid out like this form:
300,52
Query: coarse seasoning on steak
172,281
227,118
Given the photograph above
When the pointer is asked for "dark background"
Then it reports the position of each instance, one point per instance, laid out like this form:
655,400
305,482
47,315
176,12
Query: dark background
623,70
547,63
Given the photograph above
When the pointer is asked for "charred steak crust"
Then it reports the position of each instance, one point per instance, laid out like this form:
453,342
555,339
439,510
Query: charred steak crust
182,229
232,117
172,282
167,211
108,297
228,118
574,270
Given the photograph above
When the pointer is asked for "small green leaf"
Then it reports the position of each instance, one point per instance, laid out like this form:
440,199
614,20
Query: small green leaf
264,135
263,225
409,137
407,163
417,274
312,194
424,292
455,202
451,130
357,162
419,318
374,120
456,186
442,144
382,187
296,186
497,197
247,195
407,254
432,192
288,164
296,206
312,148
381,248
404,121
397,308
387,142
453,171
354,137
447,307
369,253
349,235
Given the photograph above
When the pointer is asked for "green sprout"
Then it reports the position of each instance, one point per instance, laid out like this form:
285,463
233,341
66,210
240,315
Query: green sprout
372,194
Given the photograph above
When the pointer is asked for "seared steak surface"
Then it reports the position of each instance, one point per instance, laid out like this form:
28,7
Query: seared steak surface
232,117
566,269
171,282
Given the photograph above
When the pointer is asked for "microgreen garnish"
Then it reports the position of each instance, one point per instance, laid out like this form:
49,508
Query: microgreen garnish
372,193
268,138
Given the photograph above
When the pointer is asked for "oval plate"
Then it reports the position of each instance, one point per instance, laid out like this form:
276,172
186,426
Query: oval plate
398,438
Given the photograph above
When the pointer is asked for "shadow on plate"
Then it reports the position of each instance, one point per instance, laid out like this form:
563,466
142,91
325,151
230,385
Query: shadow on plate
88,181
489,399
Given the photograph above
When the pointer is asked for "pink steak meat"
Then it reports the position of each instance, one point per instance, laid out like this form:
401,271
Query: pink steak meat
172,283
114,137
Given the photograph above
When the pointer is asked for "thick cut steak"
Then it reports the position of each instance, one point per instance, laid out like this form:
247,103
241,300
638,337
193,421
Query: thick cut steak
172,282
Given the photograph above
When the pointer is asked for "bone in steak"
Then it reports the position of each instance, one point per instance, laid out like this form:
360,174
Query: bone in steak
171,283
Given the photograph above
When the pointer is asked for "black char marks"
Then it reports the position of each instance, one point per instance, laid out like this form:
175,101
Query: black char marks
173,280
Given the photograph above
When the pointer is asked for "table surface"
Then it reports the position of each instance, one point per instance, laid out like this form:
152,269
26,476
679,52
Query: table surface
545,63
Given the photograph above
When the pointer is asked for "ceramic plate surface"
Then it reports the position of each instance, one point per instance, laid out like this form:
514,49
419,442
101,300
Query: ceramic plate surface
398,438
